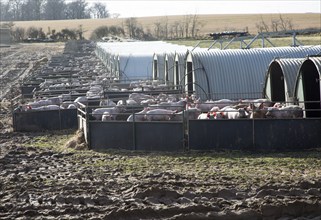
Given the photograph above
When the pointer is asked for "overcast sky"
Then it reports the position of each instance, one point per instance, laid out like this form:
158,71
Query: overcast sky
135,8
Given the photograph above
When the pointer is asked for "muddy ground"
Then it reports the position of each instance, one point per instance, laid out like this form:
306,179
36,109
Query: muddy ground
47,176
40,179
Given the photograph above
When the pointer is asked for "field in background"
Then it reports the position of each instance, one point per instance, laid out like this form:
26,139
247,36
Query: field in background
210,23
278,42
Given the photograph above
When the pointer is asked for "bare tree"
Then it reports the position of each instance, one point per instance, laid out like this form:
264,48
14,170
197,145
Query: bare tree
195,25
77,10
262,26
285,23
275,23
187,22
16,9
165,27
4,10
116,31
131,25
18,34
98,10
98,33
175,29
157,29
54,10
181,30
32,10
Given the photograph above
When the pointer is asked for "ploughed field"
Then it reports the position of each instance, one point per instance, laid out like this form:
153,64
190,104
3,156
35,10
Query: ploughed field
51,175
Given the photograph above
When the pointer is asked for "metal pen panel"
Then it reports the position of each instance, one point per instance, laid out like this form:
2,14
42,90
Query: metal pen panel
45,120
159,136
287,134
220,134
111,135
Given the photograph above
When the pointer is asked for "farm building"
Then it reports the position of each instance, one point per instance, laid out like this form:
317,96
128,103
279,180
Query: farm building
129,60
234,74
280,79
179,67
169,68
5,37
163,61
136,60
307,86
168,65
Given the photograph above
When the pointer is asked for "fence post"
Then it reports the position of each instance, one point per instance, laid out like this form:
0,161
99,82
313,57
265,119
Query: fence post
59,118
87,127
185,132
253,133
134,131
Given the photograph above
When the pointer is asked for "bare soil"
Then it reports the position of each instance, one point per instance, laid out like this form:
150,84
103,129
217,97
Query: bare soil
47,183
41,178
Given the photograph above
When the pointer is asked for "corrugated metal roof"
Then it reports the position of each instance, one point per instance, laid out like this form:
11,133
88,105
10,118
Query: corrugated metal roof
289,68
169,69
160,58
135,59
316,61
307,87
135,67
238,73
179,59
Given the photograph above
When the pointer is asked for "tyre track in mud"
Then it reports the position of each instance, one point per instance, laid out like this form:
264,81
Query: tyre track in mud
40,184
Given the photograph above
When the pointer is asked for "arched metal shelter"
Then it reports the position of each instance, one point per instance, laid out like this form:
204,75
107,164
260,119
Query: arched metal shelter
129,60
162,61
280,79
234,74
307,86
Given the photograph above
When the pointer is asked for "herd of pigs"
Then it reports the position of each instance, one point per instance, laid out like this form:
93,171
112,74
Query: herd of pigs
169,107
161,107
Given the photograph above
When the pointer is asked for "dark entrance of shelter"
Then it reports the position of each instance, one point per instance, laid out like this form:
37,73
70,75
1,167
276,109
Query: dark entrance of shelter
189,78
155,70
277,83
176,73
311,88
166,71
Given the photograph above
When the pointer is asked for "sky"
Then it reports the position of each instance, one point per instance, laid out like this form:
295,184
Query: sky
135,8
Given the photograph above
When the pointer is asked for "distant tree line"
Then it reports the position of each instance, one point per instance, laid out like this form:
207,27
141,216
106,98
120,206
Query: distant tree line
28,10
188,27
33,34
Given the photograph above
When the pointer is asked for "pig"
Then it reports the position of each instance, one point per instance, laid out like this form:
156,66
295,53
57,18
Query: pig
188,114
159,115
232,113
113,111
291,111
139,116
